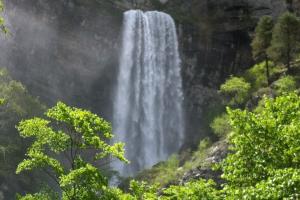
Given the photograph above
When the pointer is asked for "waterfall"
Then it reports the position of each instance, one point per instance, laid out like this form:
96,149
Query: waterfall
148,113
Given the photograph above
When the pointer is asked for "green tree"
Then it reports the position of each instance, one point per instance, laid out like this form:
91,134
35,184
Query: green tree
221,126
285,41
236,89
265,151
2,23
67,146
262,41
194,190
285,84
17,104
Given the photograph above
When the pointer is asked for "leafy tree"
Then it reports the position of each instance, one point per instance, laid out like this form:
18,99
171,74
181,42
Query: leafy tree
79,137
193,190
285,84
265,148
17,104
221,126
2,23
285,41
236,89
262,41
256,75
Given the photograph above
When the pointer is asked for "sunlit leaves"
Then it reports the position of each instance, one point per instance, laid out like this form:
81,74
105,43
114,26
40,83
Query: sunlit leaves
68,133
237,89
266,151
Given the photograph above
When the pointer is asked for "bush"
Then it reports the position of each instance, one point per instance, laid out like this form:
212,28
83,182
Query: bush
221,125
201,189
236,89
256,75
285,84
162,173
198,157
263,144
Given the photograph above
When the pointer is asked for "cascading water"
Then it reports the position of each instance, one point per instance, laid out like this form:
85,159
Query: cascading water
148,114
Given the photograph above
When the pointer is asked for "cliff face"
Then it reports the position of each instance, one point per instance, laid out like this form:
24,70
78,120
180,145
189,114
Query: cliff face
64,50
68,49
215,38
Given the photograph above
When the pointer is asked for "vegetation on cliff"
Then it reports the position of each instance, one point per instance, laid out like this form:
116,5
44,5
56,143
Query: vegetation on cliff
261,127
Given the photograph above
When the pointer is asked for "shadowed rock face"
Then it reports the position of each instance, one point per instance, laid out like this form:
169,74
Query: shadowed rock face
64,50
69,49
215,42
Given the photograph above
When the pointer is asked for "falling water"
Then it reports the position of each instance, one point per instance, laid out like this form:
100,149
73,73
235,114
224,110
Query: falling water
148,103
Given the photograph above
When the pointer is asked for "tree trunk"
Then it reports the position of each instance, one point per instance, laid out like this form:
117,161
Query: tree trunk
268,71
288,59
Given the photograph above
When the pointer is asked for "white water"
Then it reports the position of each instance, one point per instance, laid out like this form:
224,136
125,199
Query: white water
148,114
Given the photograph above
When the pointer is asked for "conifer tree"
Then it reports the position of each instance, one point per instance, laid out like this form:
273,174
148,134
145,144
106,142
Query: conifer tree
285,41
262,41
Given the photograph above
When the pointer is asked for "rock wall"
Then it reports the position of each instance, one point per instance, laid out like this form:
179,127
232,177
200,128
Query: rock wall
64,50
68,49
215,38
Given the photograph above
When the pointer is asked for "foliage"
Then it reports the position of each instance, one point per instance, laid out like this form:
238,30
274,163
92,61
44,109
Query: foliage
199,156
282,184
201,189
237,89
221,126
265,148
16,104
2,22
256,75
285,41
263,36
262,41
73,134
285,84
163,172
142,190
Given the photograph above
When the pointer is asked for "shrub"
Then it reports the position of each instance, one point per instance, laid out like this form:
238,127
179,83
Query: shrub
221,125
236,89
285,84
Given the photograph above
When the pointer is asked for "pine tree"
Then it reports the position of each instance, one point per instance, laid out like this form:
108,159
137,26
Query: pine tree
262,41
285,40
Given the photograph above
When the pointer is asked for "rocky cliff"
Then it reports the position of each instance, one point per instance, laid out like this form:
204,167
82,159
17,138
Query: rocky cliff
64,50
68,49
215,38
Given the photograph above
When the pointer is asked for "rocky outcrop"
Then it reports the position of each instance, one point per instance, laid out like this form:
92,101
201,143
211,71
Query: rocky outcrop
217,153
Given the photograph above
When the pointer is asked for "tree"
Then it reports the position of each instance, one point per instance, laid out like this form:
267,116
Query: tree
2,23
17,104
285,41
236,89
265,151
262,41
66,147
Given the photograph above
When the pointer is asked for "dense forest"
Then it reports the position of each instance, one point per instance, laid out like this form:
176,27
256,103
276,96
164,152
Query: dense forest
251,149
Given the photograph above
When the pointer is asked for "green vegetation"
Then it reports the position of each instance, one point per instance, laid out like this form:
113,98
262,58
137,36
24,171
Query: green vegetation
262,41
70,145
265,146
256,75
16,104
264,159
236,90
285,41
162,173
221,125
285,84
70,133
2,22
